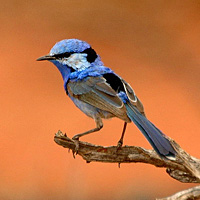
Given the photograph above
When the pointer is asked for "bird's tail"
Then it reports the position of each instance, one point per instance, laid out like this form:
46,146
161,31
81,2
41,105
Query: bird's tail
155,137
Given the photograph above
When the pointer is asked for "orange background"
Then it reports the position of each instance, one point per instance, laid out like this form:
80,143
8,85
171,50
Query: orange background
154,45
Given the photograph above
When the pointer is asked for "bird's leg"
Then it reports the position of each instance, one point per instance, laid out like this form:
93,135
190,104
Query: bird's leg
120,142
99,125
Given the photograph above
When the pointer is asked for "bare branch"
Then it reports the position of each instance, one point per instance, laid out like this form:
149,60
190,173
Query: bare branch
189,194
184,169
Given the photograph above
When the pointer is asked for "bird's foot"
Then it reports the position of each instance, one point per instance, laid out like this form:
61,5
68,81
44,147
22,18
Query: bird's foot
119,145
76,143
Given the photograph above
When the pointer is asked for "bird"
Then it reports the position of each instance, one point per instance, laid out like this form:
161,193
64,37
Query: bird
100,93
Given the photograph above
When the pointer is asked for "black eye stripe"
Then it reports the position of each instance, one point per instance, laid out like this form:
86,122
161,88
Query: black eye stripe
91,54
63,55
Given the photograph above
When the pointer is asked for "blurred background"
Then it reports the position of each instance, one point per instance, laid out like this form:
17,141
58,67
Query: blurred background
154,45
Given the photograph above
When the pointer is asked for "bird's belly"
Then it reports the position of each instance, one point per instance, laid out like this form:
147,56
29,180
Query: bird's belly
90,110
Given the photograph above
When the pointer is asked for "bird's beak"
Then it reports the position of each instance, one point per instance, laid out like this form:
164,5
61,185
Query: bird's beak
46,57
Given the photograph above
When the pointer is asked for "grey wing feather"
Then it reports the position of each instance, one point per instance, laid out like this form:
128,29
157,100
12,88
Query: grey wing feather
95,91
134,100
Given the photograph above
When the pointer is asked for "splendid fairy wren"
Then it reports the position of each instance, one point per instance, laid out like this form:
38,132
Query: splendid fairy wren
100,93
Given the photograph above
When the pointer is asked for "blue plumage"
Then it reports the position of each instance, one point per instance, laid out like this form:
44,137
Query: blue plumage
100,93
69,45
91,71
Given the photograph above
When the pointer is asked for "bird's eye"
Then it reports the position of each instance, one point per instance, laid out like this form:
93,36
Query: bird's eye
62,55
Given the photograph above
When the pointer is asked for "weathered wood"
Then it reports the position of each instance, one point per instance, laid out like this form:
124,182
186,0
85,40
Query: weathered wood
189,194
185,168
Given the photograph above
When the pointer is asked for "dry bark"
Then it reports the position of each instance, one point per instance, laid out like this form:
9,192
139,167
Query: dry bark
185,168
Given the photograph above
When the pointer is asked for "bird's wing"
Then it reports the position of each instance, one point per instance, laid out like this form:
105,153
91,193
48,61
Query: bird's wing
134,100
97,92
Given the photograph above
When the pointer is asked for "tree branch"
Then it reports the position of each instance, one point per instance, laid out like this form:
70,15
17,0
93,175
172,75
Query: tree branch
185,168
189,194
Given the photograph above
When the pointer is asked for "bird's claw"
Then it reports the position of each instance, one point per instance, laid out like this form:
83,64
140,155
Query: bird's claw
119,145
76,143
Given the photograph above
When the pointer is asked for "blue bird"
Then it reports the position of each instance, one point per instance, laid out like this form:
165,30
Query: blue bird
100,93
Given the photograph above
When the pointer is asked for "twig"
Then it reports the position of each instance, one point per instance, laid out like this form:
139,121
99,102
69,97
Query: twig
189,194
184,169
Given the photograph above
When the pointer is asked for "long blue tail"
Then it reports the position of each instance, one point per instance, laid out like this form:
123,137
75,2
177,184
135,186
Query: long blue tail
155,137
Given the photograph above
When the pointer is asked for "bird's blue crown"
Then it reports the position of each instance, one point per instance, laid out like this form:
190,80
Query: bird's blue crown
69,45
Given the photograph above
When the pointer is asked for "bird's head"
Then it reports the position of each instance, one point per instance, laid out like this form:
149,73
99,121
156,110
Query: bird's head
72,53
